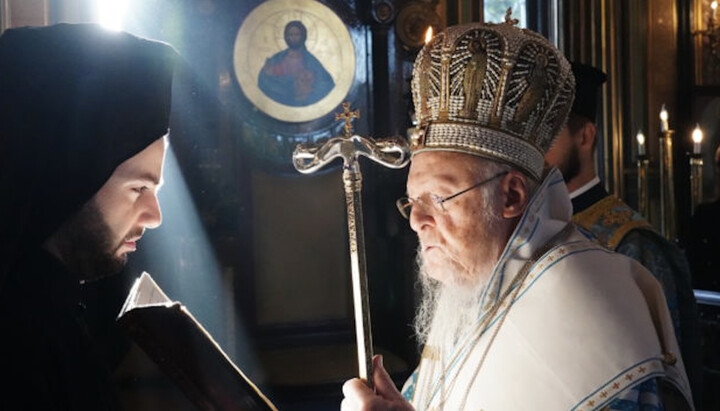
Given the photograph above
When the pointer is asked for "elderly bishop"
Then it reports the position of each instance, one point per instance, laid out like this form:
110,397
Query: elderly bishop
520,310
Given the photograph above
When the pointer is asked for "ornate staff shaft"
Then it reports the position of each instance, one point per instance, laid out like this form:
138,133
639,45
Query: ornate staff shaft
352,182
393,153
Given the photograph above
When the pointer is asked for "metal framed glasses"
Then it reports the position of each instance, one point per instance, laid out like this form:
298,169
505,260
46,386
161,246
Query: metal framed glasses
405,204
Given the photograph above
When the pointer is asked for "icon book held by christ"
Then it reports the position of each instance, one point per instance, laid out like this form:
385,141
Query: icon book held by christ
186,352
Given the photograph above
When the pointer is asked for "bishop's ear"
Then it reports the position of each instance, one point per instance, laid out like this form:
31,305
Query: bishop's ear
514,186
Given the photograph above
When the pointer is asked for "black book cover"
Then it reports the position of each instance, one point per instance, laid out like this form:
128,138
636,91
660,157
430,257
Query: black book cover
186,352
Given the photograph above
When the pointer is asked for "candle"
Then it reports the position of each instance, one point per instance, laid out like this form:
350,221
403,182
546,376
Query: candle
663,120
428,34
641,143
697,137
713,6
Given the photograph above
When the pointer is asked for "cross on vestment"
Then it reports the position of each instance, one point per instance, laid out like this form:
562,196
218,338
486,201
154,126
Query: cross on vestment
393,153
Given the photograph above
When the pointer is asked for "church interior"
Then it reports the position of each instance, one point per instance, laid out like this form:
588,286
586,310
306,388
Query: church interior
259,252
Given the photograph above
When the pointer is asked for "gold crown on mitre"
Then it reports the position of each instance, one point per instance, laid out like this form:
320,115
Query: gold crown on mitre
491,90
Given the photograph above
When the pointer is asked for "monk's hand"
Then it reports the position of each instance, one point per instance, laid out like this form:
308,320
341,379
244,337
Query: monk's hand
359,397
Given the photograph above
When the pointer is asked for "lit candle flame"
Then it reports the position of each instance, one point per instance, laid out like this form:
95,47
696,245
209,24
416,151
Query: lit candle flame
640,138
697,135
713,5
641,142
663,120
428,34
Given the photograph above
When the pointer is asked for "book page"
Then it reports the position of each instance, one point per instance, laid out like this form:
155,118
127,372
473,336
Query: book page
144,292
172,337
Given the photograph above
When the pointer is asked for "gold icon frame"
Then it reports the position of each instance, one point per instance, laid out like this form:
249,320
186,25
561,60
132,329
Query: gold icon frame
261,35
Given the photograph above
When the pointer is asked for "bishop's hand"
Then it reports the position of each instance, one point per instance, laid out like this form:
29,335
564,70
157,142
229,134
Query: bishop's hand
359,397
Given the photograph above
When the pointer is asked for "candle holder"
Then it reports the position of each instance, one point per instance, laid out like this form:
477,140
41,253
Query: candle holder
696,180
667,187
643,164
711,31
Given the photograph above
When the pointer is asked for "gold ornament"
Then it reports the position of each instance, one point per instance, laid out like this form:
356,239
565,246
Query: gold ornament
492,90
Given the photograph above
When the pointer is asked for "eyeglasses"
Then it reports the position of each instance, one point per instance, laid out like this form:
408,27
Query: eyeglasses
405,204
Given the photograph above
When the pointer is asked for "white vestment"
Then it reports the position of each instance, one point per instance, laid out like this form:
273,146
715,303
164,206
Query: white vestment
585,325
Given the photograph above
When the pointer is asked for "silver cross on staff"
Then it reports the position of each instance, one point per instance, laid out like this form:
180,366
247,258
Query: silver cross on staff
393,153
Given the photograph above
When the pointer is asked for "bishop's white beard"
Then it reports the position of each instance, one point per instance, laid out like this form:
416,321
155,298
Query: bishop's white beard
446,311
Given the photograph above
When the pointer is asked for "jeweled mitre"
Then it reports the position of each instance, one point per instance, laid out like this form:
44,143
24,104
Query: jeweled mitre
492,90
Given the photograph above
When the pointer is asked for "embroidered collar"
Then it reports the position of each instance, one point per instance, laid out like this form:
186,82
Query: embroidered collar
548,212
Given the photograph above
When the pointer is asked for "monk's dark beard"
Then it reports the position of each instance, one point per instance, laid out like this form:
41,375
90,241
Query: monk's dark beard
86,246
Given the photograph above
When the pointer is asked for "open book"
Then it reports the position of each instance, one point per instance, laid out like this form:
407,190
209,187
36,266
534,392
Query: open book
186,352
